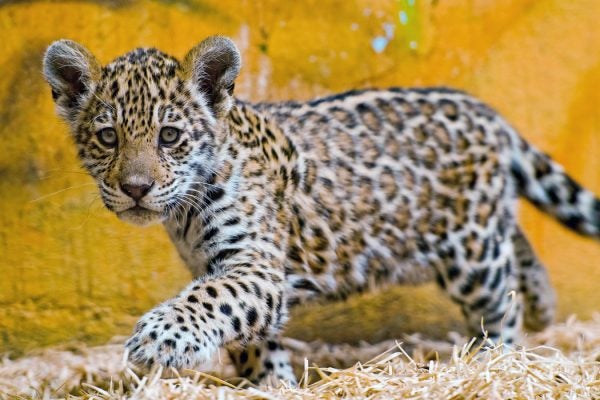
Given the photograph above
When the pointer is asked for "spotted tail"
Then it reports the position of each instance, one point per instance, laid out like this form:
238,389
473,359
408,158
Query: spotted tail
545,183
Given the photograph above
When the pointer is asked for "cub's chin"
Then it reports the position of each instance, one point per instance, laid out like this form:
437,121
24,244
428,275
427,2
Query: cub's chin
140,216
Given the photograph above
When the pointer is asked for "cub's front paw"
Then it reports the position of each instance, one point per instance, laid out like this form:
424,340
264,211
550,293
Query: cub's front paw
170,336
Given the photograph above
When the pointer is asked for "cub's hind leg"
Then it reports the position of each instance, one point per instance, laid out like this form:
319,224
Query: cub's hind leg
538,293
263,362
479,275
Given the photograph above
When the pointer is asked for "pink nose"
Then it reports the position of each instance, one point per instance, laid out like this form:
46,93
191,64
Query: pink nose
136,192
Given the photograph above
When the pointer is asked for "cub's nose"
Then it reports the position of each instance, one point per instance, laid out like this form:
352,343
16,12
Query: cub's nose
136,191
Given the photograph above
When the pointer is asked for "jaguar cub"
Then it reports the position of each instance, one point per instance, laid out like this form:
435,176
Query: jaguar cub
274,204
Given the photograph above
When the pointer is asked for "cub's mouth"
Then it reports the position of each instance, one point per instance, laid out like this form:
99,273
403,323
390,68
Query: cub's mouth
141,216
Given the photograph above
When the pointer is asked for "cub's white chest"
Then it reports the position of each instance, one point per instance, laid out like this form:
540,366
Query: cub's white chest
194,258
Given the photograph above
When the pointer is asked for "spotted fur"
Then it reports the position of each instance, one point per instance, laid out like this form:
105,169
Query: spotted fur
275,204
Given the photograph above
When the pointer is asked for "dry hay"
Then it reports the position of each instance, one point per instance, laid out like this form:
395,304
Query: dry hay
562,362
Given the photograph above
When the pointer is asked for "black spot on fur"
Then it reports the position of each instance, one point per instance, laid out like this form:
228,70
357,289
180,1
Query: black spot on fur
192,299
440,280
251,316
294,253
231,289
453,272
552,193
225,309
306,284
574,221
236,238
215,193
268,365
232,221
519,175
237,324
269,301
209,234
496,279
212,292
480,303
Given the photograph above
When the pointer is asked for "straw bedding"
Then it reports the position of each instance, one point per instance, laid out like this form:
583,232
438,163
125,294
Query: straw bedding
563,362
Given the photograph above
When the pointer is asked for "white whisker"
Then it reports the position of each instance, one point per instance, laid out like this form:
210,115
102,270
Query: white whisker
60,191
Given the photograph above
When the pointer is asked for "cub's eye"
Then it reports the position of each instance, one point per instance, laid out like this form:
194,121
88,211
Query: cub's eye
168,136
108,137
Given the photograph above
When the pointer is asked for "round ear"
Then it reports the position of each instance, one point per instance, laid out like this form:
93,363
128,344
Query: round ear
213,66
70,69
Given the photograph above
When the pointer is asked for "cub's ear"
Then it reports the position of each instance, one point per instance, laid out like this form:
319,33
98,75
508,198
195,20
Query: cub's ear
70,69
213,66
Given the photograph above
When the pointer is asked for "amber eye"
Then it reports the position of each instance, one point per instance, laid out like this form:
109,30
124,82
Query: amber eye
108,137
168,136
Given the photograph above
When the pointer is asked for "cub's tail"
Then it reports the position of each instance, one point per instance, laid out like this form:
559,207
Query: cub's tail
544,182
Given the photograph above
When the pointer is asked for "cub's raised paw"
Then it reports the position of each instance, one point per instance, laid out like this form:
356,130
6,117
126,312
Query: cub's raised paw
170,336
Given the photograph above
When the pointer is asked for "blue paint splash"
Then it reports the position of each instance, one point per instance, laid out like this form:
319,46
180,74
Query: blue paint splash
379,44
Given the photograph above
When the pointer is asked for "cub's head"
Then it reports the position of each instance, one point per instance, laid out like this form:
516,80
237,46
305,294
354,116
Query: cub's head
147,127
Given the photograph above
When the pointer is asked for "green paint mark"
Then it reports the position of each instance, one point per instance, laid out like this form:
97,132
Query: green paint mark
411,24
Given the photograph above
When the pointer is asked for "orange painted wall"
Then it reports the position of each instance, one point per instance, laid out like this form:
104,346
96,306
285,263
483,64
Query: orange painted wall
69,270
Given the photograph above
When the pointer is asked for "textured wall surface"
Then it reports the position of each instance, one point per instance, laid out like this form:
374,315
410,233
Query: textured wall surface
69,270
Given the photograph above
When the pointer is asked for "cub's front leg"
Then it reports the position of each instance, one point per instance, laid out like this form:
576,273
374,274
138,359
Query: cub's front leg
239,305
